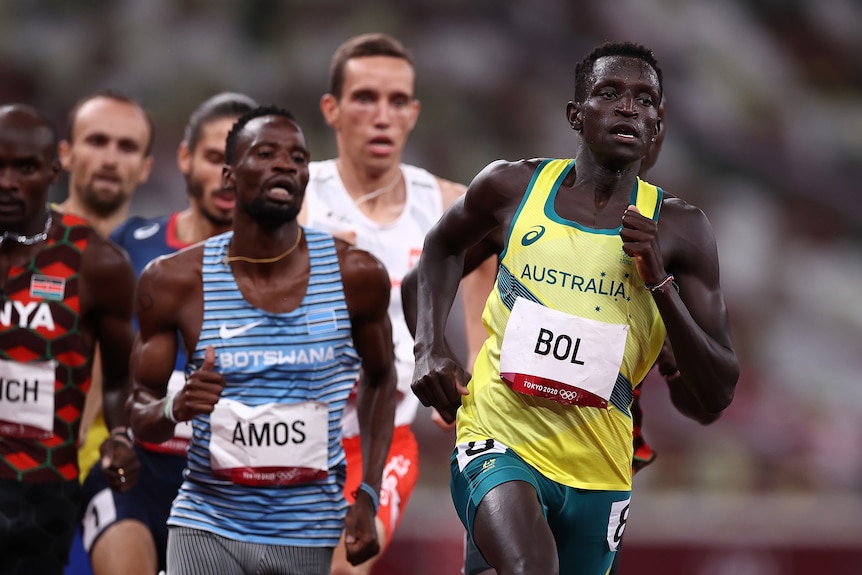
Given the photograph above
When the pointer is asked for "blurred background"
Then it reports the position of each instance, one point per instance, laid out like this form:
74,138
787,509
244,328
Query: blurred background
764,132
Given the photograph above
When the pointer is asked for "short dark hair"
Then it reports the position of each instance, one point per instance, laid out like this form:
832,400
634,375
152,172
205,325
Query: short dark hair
110,94
585,67
222,105
258,112
40,119
364,45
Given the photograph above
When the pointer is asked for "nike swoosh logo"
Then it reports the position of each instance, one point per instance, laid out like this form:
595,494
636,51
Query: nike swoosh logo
226,332
145,232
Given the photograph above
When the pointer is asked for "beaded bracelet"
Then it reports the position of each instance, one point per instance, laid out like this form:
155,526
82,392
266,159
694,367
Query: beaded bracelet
375,498
660,285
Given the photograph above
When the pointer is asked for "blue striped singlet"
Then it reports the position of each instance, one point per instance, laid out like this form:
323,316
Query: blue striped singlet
305,355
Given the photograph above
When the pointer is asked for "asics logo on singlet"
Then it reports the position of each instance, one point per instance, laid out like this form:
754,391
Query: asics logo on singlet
533,235
226,332
145,232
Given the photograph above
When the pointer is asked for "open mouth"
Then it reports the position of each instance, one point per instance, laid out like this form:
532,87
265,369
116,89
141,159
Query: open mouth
224,201
381,145
280,191
625,132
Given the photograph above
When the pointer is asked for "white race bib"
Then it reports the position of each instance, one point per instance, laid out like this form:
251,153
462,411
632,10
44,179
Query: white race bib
565,358
101,512
617,520
27,398
271,444
470,450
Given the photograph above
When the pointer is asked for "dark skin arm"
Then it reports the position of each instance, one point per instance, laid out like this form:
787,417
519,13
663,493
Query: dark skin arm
695,317
168,299
473,258
680,395
480,215
366,289
484,254
108,280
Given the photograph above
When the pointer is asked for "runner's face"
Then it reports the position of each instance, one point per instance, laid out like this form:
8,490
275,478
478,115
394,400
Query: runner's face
27,170
376,112
620,112
107,155
270,173
203,172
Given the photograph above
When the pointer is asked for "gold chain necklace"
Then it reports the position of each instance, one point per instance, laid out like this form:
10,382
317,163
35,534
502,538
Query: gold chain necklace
284,254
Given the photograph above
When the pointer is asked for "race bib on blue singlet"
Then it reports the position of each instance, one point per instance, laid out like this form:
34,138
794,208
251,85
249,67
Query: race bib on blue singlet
270,444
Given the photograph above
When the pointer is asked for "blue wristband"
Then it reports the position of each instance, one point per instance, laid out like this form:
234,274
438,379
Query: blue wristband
375,498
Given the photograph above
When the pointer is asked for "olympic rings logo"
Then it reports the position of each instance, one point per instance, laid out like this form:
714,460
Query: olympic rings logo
568,395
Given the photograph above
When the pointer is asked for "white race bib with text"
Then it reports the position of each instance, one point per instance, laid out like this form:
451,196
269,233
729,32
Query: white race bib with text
271,444
27,398
565,358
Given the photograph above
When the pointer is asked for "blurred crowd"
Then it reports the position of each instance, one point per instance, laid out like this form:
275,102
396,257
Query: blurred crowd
764,120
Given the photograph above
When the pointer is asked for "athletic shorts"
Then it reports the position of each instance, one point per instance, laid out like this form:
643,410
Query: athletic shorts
198,552
37,523
399,476
587,524
149,501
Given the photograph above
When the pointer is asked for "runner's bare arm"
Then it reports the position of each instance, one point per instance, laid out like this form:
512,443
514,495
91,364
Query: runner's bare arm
168,301
696,316
475,286
367,290
109,288
488,204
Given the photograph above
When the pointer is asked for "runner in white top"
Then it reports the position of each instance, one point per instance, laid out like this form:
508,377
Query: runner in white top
397,244
368,197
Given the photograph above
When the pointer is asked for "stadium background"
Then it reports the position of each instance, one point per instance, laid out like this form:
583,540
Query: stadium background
764,133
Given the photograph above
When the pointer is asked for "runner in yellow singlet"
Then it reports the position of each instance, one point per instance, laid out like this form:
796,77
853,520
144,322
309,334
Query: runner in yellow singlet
591,259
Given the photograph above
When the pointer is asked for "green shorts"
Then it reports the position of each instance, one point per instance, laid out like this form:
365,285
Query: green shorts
587,524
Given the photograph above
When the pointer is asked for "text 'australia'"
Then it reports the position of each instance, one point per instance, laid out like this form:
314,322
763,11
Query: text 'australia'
551,276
